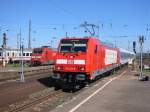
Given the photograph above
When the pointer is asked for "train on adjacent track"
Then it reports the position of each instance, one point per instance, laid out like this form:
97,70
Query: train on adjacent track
10,55
38,56
43,56
82,60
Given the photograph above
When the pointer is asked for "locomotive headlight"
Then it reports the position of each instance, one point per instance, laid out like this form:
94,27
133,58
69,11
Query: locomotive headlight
81,68
59,68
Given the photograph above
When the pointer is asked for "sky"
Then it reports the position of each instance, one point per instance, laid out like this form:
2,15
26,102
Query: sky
120,21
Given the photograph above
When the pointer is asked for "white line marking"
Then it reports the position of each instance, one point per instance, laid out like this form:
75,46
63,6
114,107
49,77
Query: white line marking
98,90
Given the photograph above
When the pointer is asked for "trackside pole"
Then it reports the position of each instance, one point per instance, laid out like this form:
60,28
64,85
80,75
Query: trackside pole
22,68
21,55
142,77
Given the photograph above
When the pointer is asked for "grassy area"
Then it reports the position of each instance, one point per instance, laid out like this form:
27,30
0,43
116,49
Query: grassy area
147,70
14,66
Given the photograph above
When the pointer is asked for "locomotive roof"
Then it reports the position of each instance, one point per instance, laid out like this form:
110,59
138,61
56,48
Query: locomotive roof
89,38
78,38
43,47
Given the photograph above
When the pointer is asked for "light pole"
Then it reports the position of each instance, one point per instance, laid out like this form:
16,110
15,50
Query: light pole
22,67
34,38
4,49
0,31
18,41
141,41
142,77
21,55
54,41
52,38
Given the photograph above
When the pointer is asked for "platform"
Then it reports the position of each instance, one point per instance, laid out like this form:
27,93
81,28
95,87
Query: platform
122,93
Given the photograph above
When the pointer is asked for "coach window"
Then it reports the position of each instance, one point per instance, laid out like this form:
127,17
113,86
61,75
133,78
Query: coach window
13,54
27,54
96,49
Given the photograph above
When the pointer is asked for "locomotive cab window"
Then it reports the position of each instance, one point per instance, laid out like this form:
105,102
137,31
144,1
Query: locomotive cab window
73,45
79,47
37,51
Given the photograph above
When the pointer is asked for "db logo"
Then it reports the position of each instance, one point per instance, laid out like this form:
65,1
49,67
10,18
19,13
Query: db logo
70,61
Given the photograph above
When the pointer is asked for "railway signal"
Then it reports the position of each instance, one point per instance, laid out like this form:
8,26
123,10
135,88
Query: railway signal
134,47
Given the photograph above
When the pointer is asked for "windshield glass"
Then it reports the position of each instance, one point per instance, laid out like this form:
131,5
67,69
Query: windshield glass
73,45
37,51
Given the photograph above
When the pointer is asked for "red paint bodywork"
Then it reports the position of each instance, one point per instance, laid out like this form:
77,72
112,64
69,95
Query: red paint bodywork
46,57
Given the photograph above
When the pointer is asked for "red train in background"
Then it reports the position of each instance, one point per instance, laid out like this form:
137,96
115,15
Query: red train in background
43,56
81,60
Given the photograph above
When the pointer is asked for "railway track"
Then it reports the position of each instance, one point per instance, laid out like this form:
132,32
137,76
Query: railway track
37,101
11,74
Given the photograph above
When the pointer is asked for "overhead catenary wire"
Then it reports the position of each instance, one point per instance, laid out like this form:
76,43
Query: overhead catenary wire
62,9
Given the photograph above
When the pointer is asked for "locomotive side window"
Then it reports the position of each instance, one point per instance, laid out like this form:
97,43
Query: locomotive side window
95,49
73,46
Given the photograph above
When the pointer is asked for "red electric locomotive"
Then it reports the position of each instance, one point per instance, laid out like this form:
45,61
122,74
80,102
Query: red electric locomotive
42,56
80,60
